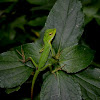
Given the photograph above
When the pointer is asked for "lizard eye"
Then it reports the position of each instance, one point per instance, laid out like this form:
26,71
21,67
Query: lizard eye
50,33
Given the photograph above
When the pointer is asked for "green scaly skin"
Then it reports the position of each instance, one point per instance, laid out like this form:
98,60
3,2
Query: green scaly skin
48,37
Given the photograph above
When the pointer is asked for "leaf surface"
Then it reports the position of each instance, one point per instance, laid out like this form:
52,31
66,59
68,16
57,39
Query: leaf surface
76,58
60,87
12,71
89,81
67,18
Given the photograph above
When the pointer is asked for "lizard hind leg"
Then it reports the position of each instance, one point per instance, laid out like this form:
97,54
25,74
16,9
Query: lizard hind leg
57,69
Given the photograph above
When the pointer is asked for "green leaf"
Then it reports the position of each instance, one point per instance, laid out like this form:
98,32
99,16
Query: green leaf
19,22
60,87
76,58
31,50
87,19
91,10
12,71
67,18
40,21
89,81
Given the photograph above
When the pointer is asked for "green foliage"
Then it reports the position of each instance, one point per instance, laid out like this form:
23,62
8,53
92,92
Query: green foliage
91,9
19,22
66,19
89,81
12,70
75,58
38,21
77,80
60,86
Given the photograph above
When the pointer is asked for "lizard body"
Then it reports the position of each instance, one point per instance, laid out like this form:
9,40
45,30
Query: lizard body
48,37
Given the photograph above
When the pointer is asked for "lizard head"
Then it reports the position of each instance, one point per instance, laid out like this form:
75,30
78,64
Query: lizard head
49,35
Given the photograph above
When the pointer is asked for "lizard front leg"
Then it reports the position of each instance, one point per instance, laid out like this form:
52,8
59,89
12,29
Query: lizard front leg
23,60
22,55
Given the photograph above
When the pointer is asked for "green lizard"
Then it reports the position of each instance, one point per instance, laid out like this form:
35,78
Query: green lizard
48,37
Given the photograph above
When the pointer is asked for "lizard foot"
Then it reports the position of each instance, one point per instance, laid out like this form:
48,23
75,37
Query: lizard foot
22,55
57,69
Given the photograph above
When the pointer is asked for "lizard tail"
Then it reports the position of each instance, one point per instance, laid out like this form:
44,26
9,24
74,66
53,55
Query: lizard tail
33,82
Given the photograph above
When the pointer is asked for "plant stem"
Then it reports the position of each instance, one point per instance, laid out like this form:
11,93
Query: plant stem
33,82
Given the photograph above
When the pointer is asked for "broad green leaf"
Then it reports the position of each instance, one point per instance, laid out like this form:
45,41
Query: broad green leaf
89,81
12,71
76,58
31,50
60,87
67,18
